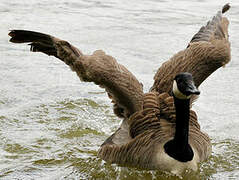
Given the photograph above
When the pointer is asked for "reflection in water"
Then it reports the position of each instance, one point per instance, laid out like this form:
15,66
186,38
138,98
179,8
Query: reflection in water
52,124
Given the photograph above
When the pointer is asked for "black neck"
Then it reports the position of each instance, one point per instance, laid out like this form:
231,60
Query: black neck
178,148
182,122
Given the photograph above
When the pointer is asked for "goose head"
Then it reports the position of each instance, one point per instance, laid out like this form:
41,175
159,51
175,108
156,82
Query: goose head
183,86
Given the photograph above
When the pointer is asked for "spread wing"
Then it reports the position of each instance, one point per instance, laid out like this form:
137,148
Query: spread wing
208,50
121,85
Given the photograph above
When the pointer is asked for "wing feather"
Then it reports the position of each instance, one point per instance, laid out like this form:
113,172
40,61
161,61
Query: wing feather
208,50
121,85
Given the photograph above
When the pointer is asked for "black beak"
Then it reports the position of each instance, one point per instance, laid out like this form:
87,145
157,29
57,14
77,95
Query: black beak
191,88
185,84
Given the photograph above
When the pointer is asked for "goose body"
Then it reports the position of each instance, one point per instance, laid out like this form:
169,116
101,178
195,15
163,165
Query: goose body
149,128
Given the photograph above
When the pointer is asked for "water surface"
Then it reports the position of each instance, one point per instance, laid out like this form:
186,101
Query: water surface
52,124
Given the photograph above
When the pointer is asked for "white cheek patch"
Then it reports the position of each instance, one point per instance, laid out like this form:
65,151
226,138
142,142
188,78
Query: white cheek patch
177,93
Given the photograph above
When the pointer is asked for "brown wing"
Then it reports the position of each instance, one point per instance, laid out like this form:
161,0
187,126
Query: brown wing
149,129
217,28
208,50
121,85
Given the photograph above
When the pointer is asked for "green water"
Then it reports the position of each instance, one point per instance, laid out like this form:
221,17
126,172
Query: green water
58,141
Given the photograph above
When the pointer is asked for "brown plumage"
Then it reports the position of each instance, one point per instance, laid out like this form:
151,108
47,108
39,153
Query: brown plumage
208,50
149,119
121,85
150,128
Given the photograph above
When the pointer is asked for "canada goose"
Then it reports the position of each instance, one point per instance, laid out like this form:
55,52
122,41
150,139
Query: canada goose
164,135
147,136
